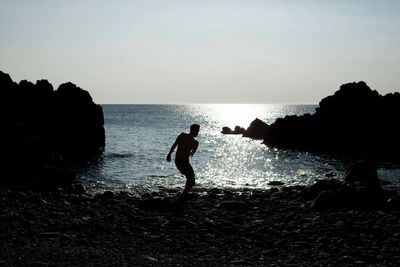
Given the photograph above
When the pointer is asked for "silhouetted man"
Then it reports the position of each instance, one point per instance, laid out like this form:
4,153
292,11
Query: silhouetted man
187,146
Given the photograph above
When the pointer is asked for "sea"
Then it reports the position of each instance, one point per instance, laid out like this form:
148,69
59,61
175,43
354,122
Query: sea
139,137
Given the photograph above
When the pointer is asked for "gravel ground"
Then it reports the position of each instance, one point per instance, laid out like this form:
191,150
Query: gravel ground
210,228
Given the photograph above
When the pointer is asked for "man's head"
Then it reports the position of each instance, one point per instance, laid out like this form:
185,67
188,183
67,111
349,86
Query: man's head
194,129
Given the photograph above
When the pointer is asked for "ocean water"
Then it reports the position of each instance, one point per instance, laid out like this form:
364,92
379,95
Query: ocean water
138,138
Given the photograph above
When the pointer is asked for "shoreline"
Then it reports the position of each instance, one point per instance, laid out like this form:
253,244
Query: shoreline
217,227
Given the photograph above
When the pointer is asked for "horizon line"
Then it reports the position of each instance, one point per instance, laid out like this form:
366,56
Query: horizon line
222,103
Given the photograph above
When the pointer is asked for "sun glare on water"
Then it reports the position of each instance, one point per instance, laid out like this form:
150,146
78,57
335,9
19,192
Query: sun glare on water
236,114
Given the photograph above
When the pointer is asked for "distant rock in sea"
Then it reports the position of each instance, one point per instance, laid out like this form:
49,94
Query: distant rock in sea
355,122
42,131
238,130
256,130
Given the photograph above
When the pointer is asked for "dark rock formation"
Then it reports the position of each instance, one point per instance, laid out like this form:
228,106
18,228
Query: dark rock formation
43,131
257,129
355,122
238,130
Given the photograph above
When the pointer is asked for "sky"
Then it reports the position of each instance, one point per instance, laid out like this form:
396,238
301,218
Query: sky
233,51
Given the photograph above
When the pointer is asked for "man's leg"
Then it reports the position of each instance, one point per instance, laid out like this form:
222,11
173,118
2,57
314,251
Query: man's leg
186,169
190,182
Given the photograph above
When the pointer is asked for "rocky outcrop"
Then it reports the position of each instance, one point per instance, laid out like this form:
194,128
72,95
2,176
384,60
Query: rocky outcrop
355,122
43,131
257,129
78,131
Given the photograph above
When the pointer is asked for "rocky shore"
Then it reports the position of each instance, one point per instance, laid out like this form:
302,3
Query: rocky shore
46,219
355,122
214,227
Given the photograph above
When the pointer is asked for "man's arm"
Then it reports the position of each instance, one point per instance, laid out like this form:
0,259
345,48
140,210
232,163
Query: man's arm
196,144
173,147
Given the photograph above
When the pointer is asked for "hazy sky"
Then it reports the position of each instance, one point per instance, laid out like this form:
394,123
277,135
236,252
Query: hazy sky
203,51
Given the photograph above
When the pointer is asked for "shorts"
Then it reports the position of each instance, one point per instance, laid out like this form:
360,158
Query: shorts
184,167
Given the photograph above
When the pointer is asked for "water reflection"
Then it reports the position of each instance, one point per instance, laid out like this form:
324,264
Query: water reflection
243,114
235,114
139,137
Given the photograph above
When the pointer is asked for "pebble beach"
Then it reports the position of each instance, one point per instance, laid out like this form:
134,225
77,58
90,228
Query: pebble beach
215,227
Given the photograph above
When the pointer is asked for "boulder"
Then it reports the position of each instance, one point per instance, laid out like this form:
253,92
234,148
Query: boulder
359,190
